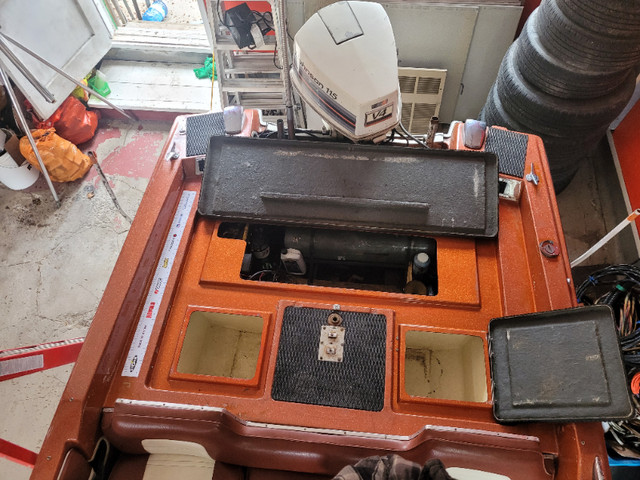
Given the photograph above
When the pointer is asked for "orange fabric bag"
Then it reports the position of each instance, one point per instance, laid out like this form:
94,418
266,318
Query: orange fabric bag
63,160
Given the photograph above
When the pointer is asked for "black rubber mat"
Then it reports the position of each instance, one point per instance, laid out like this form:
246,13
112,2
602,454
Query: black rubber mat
511,149
200,128
356,383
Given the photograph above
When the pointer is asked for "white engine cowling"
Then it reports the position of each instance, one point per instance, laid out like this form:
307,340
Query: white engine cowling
345,67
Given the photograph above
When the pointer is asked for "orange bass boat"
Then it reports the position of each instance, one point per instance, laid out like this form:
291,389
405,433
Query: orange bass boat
232,344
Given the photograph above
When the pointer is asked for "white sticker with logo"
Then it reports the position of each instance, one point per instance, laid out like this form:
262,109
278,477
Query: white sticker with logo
378,115
149,313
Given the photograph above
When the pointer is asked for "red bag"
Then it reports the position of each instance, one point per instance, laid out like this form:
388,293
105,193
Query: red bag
72,121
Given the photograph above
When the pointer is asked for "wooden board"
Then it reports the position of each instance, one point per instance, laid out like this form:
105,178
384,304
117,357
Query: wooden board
153,41
156,86
159,33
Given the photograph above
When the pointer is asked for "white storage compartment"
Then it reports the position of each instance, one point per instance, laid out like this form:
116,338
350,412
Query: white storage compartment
221,345
445,366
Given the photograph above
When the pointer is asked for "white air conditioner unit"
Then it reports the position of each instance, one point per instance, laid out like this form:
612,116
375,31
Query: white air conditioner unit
421,91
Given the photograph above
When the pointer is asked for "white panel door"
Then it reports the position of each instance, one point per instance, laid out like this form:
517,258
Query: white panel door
73,35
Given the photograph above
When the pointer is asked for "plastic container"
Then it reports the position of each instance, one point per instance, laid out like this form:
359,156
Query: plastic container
99,83
293,261
156,12
421,262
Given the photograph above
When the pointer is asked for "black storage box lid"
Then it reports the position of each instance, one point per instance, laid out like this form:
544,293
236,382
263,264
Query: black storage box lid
563,365
364,187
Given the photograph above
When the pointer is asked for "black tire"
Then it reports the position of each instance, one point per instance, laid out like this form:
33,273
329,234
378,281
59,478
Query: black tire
564,153
496,115
615,18
560,145
580,47
551,76
547,114
481,116
565,156
568,147
561,178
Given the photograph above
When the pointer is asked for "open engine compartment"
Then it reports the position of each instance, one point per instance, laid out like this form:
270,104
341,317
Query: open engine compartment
338,258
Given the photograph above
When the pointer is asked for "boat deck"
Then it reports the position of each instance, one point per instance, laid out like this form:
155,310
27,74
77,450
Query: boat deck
151,368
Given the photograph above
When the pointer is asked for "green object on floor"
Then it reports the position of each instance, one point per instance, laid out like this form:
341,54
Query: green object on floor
99,83
207,70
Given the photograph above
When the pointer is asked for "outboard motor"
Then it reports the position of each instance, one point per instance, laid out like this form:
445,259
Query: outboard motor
345,67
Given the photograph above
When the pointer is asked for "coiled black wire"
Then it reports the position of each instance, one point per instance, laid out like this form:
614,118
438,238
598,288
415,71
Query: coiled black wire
619,287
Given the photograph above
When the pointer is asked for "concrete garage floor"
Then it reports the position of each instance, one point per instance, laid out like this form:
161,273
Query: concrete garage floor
55,263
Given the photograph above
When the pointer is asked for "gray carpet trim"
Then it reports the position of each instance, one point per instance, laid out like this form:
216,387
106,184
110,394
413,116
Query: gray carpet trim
511,149
200,128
